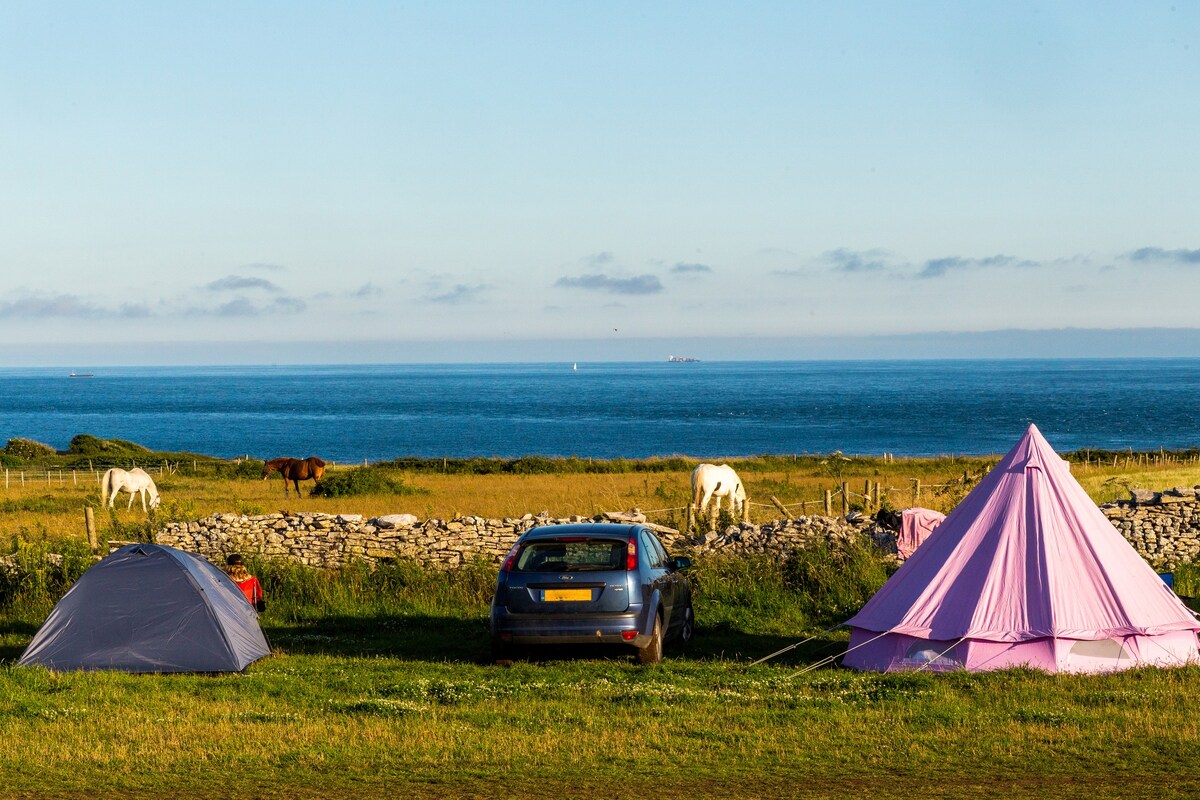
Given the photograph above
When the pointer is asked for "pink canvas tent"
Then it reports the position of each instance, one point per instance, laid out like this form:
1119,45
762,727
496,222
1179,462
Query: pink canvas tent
1026,571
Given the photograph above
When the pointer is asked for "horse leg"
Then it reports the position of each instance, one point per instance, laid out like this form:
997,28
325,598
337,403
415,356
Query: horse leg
130,500
142,493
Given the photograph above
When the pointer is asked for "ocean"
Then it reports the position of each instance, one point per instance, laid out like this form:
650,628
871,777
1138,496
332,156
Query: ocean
606,410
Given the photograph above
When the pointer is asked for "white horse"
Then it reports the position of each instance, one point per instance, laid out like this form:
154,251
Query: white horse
135,481
709,481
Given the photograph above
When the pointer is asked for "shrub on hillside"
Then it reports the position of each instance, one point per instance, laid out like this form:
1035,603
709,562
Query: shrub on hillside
28,449
87,445
360,481
246,468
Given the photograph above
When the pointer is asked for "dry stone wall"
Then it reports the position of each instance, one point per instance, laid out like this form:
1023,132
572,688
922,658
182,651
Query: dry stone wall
330,540
1164,527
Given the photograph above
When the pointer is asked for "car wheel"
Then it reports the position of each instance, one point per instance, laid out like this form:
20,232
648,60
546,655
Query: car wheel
501,650
652,652
688,629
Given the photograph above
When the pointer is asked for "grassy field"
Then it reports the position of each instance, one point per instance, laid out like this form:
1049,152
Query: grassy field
380,683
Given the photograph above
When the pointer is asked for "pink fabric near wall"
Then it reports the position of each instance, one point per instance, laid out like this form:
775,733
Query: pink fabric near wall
915,526
1027,555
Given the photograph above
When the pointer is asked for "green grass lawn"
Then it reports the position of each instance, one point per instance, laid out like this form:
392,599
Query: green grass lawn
380,685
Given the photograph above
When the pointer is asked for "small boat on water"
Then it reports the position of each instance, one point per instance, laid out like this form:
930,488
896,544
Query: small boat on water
81,375
682,359
575,367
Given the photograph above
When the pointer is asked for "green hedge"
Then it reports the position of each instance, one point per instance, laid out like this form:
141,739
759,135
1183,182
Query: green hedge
360,481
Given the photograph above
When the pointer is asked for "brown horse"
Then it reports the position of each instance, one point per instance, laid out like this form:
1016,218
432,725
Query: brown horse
295,470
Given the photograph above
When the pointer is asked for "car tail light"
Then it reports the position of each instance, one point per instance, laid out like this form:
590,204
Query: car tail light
631,556
629,636
511,558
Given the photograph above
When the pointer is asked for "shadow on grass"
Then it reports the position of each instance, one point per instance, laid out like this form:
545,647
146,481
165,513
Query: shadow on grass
459,639
418,637
14,637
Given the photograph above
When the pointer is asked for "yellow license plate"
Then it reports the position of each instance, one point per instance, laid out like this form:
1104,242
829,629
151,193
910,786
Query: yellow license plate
553,595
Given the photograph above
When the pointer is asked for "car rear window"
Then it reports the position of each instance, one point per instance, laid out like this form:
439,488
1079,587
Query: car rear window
580,555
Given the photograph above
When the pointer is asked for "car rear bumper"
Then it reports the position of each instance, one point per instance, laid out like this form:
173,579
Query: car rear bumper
568,629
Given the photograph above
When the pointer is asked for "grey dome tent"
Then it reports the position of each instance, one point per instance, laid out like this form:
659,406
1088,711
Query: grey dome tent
150,608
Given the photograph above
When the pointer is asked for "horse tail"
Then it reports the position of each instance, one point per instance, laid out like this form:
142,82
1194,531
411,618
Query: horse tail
106,487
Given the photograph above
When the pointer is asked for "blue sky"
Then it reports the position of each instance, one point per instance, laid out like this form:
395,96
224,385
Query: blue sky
363,181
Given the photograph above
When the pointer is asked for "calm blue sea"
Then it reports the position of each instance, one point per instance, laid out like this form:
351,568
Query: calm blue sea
709,409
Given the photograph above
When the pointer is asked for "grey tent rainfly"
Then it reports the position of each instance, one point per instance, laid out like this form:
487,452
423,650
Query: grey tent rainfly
150,608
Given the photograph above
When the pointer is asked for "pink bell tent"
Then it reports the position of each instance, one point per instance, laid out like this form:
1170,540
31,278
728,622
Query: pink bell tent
1026,571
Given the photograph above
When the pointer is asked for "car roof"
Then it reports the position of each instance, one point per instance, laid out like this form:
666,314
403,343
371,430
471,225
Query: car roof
612,529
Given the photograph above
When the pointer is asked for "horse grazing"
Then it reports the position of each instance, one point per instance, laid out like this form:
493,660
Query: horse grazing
709,481
295,470
135,481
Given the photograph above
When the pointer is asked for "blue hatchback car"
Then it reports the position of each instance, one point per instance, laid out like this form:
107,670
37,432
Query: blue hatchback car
592,583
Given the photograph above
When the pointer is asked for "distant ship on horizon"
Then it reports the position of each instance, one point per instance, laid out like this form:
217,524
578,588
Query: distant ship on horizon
681,359
81,375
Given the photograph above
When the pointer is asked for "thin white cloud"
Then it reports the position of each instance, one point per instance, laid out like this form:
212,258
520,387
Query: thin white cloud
69,306
636,285
234,283
1159,254
367,290
939,267
244,307
846,260
683,268
459,294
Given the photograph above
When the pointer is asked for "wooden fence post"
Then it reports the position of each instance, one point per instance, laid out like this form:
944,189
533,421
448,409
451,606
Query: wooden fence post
781,507
828,503
916,491
691,520
89,521
845,499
